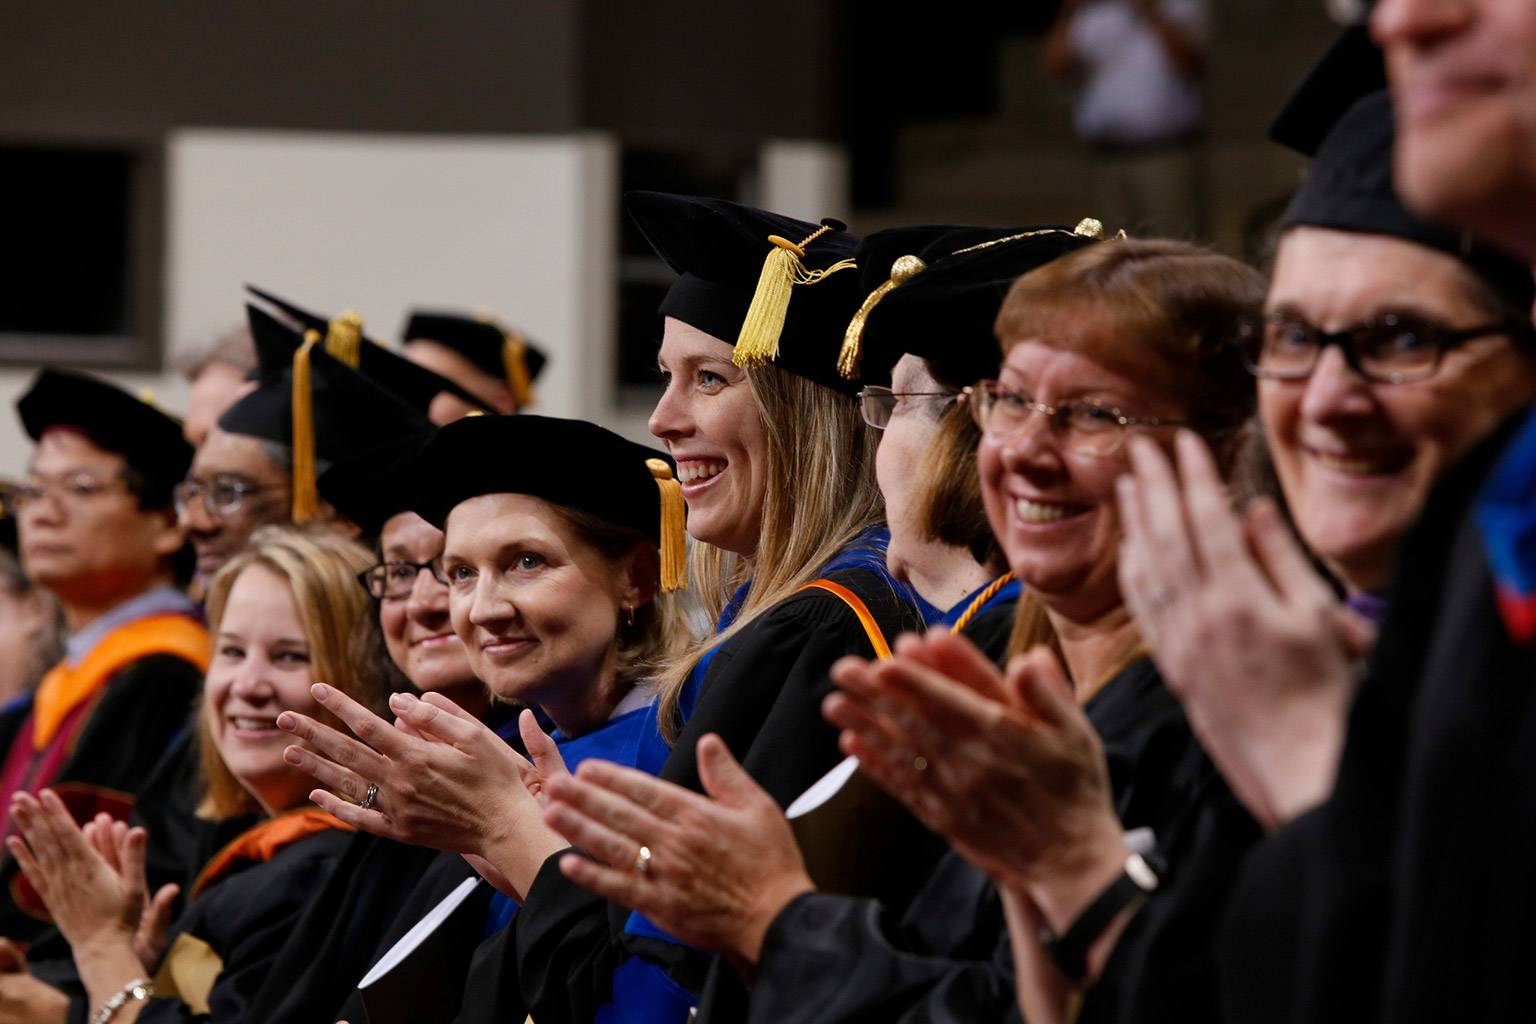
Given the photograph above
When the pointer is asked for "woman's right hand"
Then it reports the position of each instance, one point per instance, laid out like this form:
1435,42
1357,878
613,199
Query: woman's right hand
457,786
1242,628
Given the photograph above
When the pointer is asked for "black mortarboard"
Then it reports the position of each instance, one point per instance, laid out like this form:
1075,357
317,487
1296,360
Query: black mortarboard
492,348
149,440
1349,70
408,381
367,485
339,412
935,290
619,482
1349,187
780,290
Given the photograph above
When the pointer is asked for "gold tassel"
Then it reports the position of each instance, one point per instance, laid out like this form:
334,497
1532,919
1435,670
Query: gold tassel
514,357
344,338
783,268
1090,227
306,499
903,270
674,537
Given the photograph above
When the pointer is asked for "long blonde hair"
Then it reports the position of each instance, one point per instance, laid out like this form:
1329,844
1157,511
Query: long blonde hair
321,569
819,495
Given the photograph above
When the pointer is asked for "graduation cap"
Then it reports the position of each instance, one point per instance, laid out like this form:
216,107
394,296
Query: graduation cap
491,348
312,401
342,335
1350,69
149,440
934,291
620,482
8,517
780,289
1349,187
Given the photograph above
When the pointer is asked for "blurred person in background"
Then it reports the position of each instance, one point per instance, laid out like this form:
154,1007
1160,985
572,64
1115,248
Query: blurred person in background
1137,66
494,363
218,375
31,631
98,531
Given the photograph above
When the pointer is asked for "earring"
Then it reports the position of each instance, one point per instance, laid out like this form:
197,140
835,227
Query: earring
629,615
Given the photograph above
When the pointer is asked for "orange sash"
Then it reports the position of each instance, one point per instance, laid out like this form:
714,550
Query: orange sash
866,618
64,688
264,840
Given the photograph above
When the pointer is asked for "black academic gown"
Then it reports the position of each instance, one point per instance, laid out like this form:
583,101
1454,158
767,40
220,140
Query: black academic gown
762,695
136,716
1407,896
829,958
247,917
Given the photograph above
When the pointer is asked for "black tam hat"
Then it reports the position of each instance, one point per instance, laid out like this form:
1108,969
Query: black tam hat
618,481
1351,135
780,290
934,291
489,346
315,403
150,441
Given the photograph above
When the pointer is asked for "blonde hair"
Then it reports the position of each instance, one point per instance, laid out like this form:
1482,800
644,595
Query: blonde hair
1174,305
321,570
820,494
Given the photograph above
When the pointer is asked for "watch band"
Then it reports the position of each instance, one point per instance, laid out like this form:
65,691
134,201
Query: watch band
1070,949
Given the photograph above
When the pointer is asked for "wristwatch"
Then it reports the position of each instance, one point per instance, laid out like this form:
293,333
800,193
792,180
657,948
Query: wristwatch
1070,949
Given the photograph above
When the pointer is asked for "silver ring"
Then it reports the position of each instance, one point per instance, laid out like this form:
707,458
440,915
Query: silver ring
643,860
369,799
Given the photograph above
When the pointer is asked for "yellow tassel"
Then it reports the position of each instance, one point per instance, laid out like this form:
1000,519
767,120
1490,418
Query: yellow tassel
783,268
306,499
674,537
344,338
903,270
514,356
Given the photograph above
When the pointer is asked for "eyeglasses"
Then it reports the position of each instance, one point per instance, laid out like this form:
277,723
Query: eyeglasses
1083,428
73,488
1391,349
392,580
879,404
221,496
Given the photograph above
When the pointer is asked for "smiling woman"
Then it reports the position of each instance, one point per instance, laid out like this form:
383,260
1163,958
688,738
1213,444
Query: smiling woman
282,613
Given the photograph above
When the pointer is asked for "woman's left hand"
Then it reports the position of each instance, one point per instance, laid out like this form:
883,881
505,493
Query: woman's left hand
713,871
457,786
1005,766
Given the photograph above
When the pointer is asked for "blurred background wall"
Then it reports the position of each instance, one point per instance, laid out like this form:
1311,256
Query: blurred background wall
472,153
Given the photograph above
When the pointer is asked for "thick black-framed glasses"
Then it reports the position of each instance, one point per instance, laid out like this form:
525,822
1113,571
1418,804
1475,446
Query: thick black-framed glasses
1084,428
877,404
1394,348
394,579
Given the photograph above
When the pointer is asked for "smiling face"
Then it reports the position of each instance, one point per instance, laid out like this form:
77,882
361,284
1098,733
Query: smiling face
1054,512
260,668
710,423
1464,84
537,608
417,629
1357,458
236,458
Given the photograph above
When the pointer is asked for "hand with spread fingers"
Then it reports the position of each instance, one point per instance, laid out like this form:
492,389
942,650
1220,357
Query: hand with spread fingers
1004,765
440,779
713,870
1243,629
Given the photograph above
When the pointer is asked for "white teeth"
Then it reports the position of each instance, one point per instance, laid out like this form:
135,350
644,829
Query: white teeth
1344,465
1034,512
688,472
255,723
